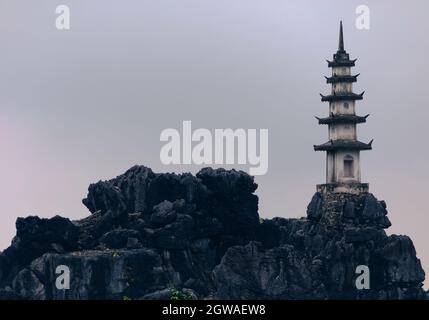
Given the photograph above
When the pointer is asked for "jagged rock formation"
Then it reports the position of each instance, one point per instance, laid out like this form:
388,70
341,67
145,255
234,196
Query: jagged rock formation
149,234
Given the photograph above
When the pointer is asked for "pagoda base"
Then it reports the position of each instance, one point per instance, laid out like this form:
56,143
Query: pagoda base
343,187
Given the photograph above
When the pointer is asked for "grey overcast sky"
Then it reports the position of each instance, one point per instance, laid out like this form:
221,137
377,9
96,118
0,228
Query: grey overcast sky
86,104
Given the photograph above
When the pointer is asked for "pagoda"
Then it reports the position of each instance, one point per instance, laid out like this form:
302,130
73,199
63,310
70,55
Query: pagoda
343,149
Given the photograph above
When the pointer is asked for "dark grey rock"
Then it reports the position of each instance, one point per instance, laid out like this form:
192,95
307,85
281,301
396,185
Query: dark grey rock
119,238
354,234
133,243
349,210
314,209
150,234
163,214
164,294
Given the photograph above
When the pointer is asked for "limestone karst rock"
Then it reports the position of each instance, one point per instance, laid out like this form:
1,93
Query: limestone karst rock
150,234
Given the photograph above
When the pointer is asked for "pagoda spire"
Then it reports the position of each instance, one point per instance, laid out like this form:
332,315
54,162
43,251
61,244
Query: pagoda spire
341,40
341,58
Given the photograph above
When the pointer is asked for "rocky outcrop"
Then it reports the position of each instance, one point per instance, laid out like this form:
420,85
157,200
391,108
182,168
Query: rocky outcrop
155,236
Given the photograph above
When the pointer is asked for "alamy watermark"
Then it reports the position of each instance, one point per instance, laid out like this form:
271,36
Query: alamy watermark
224,146
62,281
62,22
362,281
362,20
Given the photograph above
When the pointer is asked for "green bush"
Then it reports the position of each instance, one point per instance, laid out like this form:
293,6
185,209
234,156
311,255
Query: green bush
180,295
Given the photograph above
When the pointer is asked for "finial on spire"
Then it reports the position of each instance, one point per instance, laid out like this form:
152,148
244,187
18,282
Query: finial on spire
341,41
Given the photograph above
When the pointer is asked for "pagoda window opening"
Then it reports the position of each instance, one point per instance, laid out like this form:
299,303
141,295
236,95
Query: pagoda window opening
348,166
346,105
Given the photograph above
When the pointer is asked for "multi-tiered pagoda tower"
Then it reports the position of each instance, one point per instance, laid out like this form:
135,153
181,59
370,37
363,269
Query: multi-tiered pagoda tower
343,148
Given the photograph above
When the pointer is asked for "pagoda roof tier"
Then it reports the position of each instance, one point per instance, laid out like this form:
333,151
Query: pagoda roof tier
333,145
342,118
342,96
337,62
336,79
